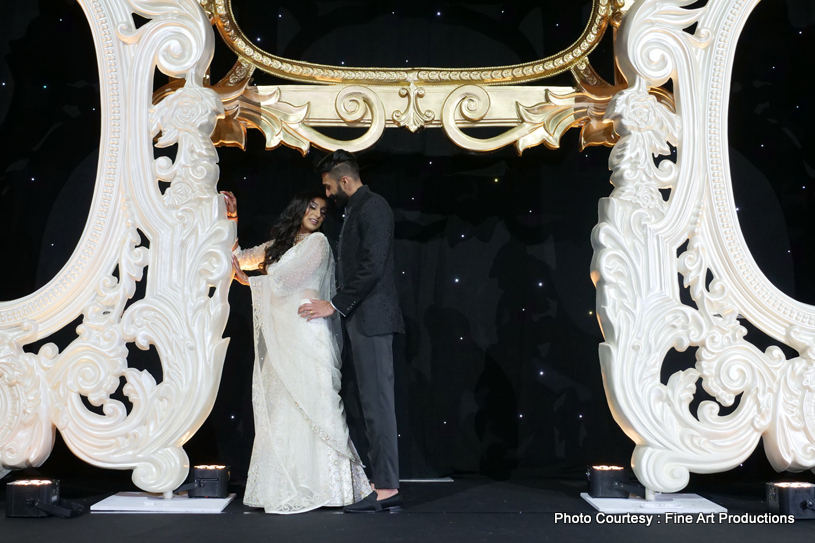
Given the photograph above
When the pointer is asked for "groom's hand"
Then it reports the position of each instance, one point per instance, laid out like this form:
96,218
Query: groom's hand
316,309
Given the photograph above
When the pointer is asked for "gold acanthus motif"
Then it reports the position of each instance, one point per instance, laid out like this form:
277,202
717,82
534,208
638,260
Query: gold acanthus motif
412,117
223,17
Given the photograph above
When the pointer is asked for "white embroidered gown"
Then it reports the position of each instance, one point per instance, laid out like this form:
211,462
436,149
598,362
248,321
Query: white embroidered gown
302,457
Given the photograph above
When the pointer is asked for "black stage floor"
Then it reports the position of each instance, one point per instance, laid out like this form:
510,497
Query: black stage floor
470,509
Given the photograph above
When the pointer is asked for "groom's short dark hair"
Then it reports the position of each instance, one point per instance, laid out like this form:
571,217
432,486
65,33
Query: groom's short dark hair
338,164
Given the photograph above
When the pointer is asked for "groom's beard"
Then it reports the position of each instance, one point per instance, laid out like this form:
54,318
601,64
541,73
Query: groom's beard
341,198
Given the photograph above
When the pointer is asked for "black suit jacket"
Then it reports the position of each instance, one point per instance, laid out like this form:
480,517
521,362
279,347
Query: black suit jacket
365,273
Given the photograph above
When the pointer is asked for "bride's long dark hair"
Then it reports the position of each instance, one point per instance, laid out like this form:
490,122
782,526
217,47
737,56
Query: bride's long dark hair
287,226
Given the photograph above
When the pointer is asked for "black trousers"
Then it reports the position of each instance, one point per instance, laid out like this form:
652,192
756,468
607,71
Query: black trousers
373,365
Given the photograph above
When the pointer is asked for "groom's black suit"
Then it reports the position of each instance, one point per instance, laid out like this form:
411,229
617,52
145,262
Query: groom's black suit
366,297
365,272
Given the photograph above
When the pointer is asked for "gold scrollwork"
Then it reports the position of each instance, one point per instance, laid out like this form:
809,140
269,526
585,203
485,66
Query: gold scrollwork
544,122
306,72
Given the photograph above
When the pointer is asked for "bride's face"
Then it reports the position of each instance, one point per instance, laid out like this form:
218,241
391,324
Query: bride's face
315,215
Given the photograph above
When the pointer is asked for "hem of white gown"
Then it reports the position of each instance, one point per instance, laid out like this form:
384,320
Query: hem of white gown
328,503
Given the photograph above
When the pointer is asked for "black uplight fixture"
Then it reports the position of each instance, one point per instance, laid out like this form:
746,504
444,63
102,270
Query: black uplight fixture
209,481
38,498
796,499
611,482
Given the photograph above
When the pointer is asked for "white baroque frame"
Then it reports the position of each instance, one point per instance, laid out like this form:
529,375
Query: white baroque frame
184,310
635,266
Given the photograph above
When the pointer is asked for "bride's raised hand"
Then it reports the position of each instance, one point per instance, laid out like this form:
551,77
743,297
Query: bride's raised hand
240,276
231,204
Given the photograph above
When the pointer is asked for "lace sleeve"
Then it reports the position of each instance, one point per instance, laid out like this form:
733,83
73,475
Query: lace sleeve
250,259
293,275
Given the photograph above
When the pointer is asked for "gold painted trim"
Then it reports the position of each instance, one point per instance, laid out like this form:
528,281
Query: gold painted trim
306,72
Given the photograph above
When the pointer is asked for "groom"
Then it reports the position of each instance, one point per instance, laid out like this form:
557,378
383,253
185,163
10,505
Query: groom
366,297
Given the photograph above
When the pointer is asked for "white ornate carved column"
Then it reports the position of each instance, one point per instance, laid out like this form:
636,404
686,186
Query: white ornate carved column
635,265
187,267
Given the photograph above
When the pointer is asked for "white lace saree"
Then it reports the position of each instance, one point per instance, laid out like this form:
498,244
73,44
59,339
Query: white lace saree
302,457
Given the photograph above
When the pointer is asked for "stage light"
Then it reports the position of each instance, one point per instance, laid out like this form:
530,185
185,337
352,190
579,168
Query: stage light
209,481
796,499
38,498
611,482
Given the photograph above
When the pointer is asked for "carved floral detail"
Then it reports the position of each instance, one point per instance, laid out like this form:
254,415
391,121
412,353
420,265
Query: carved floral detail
645,128
181,118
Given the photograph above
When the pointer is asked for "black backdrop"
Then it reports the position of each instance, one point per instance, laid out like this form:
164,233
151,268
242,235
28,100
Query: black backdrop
498,372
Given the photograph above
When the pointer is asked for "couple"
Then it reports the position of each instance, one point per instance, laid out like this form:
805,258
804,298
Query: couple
303,457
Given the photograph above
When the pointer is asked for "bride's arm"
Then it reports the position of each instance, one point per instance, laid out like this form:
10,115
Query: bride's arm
293,275
250,259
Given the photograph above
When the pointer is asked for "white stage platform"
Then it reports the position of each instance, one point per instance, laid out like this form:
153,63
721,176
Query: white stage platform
143,502
663,503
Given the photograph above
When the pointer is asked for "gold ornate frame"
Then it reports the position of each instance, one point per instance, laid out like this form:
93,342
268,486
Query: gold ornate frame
305,72
414,98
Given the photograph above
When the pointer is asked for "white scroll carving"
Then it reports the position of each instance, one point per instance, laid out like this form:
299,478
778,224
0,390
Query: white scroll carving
635,266
184,310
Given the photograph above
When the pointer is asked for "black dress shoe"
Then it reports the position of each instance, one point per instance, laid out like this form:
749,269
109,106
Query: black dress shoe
369,504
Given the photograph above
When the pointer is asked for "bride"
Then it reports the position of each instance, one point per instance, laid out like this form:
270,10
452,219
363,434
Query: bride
302,458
